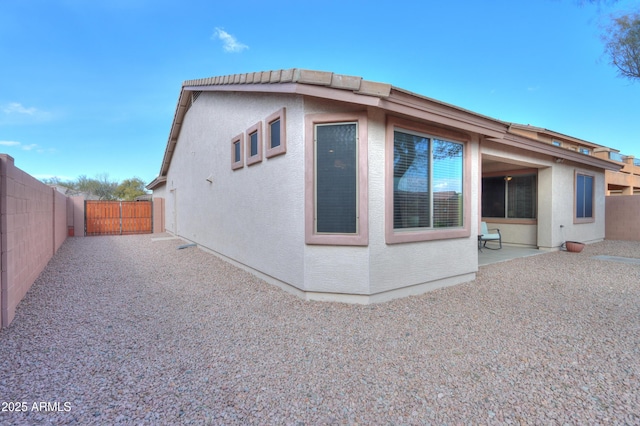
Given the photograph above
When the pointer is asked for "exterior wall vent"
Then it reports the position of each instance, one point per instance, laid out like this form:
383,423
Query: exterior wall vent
194,96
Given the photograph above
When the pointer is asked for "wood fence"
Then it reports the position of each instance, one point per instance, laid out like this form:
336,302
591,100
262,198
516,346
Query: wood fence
118,217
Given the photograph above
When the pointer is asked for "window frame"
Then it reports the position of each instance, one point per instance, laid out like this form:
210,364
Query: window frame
235,165
255,129
361,237
505,174
393,236
282,148
576,219
584,151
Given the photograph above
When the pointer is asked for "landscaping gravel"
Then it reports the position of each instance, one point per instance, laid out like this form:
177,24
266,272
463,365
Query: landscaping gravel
131,330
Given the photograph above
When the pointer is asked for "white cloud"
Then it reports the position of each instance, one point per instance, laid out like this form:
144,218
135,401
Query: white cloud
229,42
23,147
18,108
14,113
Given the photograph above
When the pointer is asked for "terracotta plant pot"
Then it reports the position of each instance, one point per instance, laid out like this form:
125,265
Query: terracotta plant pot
574,246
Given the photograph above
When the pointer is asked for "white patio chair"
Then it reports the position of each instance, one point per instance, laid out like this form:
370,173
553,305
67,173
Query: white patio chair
487,236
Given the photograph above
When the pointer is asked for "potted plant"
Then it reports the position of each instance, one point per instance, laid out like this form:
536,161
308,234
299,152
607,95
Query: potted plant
574,246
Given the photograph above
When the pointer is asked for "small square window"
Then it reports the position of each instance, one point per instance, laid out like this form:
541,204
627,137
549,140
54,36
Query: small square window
276,134
556,143
254,144
584,151
237,152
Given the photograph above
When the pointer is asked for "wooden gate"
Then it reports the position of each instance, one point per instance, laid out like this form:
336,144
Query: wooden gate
118,217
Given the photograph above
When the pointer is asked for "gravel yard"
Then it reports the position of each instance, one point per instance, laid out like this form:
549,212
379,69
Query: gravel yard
126,330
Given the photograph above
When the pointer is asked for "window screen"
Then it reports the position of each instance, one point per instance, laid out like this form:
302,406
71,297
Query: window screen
493,196
275,134
236,152
336,178
510,196
253,144
521,197
584,196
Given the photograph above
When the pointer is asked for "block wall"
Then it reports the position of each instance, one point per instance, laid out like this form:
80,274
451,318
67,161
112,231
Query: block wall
33,225
622,213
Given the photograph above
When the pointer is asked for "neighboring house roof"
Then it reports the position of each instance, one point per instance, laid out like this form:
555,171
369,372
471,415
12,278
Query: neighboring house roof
514,127
356,90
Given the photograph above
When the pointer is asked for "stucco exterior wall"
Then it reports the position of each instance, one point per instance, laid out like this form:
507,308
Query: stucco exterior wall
158,215
254,216
412,268
556,203
241,214
583,232
33,225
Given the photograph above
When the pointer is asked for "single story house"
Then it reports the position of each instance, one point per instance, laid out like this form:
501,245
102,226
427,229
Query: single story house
338,188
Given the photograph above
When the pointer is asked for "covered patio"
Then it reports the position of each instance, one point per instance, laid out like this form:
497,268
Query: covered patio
487,256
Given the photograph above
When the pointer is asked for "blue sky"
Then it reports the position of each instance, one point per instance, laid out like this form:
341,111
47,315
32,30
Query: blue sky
89,87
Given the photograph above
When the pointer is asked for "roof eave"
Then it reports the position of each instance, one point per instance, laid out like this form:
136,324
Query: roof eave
156,183
534,145
339,89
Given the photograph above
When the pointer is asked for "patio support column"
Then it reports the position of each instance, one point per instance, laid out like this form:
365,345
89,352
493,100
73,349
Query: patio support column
548,217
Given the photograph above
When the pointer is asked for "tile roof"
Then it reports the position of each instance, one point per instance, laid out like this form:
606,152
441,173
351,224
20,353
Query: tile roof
355,89
300,76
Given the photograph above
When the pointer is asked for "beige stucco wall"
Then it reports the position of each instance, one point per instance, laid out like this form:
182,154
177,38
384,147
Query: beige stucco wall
254,216
583,232
412,268
158,215
555,218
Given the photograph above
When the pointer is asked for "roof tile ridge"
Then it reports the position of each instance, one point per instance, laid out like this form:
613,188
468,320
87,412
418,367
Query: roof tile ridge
299,76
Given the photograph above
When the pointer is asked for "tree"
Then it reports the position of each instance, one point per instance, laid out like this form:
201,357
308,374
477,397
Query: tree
105,188
129,189
622,44
102,188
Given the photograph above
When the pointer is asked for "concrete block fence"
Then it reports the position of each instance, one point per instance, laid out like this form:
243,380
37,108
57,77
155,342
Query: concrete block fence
35,220
622,221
